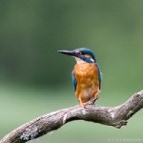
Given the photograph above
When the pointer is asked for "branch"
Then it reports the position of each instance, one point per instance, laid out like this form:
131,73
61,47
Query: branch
112,116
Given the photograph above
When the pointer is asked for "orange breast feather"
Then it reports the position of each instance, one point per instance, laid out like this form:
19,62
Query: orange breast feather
86,75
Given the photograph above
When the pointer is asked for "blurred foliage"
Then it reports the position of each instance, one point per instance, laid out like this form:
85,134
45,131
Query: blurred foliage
31,32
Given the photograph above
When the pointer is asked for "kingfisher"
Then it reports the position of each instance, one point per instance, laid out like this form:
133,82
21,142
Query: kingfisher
86,75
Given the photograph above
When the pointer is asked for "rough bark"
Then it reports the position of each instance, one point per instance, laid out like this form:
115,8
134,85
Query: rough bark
111,116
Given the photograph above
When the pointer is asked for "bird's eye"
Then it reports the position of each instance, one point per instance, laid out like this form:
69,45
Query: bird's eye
83,53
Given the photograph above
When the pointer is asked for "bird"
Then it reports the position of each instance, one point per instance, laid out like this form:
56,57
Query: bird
86,75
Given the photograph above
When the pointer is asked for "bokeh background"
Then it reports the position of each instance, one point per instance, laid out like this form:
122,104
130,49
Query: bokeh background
35,79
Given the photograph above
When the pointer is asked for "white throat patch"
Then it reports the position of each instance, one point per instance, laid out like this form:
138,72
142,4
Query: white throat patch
78,60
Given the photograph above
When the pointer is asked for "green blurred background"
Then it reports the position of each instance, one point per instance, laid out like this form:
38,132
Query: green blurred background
35,79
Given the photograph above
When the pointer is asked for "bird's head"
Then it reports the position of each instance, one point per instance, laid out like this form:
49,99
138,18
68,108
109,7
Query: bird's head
81,55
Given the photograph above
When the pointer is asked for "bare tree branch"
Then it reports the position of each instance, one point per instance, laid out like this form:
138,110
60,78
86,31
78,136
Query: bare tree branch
112,116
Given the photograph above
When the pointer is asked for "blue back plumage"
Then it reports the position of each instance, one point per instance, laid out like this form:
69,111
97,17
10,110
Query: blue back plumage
99,76
74,81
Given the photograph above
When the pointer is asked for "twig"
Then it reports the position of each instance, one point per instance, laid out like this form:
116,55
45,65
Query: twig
112,116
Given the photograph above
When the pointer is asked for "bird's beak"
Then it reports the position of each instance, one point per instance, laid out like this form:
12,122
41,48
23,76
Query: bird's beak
67,52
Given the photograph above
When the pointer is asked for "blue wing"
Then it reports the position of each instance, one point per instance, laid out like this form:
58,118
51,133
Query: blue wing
99,76
74,81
